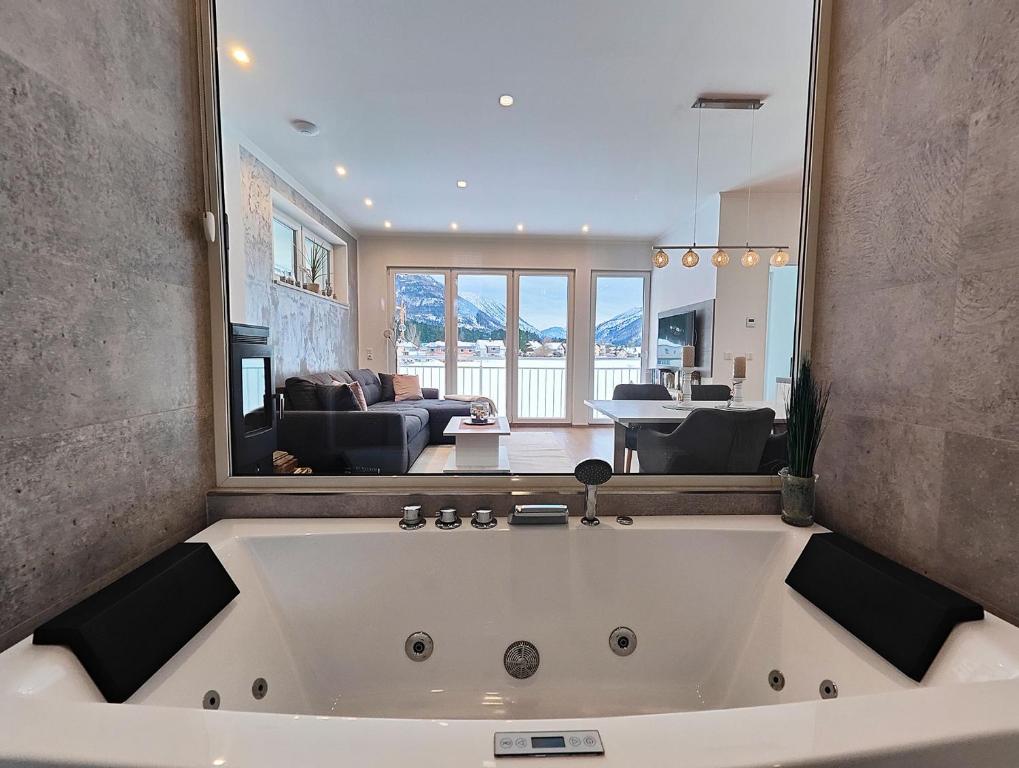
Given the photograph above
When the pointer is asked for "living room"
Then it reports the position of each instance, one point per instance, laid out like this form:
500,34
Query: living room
369,236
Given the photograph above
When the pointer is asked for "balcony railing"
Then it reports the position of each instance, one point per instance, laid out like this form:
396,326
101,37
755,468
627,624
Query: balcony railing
541,382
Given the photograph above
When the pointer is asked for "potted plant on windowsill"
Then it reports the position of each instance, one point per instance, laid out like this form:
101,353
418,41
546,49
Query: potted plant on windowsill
318,263
805,409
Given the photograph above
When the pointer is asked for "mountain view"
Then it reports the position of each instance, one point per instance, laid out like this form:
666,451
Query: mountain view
479,317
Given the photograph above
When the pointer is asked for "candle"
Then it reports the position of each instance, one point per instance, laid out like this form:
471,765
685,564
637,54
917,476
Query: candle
739,367
688,357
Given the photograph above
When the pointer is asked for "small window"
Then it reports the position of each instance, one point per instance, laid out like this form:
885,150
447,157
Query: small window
284,249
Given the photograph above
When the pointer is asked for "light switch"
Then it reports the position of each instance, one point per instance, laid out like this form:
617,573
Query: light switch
751,322
369,353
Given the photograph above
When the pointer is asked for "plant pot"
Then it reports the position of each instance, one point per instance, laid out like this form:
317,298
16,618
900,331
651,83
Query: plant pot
313,287
797,499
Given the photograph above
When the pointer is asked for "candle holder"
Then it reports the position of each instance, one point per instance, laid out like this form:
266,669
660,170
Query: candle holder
737,393
685,385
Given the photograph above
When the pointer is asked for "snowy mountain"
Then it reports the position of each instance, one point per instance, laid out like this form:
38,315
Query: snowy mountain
623,330
477,316
554,333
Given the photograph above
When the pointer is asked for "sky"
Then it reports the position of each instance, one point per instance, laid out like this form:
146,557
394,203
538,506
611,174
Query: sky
543,298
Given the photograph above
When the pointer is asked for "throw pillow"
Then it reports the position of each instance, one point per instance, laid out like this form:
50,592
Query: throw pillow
388,392
337,397
301,394
407,387
355,387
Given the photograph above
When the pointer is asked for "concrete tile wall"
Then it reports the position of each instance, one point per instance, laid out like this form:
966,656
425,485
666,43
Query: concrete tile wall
106,438
917,314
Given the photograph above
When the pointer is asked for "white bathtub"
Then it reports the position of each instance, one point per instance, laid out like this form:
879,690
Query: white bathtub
326,606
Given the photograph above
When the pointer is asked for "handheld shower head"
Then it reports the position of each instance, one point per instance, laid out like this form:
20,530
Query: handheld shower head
592,473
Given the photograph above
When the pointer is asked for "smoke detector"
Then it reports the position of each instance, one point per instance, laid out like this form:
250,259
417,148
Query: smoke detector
305,127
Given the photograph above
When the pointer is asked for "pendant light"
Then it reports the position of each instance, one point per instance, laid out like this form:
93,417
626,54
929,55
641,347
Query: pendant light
750,258
660,259
779,258
691,258
720,258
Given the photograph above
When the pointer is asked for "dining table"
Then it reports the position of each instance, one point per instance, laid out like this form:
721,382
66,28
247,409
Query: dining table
632,413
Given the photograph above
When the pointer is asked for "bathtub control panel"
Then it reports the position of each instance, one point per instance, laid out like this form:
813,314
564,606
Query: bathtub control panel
547,743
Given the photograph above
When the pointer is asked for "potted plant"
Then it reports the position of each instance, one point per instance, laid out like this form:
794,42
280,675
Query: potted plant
805,408
318,263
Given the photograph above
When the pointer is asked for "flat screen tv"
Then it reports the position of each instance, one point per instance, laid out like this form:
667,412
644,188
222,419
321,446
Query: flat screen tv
675,331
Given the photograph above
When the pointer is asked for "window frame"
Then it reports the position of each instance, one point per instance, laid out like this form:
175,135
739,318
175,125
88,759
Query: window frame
214,219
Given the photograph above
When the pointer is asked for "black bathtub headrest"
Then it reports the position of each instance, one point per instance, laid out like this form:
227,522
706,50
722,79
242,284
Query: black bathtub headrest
125,632
900,614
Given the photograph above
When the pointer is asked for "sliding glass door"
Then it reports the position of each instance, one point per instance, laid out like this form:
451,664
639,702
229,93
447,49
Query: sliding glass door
544,302
420,309
481,324
619,311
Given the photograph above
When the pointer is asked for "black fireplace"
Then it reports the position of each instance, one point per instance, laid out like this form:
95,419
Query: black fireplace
252,400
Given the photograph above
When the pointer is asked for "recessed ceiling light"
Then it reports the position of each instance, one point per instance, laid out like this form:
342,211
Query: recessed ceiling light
505,100
454,226
462,184
341,171
241,56
369,202
585,229
387,224
520,227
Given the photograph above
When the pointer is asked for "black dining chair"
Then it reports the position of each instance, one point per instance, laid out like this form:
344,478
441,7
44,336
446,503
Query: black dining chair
641,392
710,392
709,441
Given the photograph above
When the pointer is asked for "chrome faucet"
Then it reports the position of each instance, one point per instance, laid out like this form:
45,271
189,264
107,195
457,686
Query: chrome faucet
592,473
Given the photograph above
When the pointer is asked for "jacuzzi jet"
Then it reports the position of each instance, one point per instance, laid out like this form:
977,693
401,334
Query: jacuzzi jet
828,689
776,680
623,641
419,646
521,659
259,688
211,700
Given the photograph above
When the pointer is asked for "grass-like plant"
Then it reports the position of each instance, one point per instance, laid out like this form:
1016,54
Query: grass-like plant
805,408
318,262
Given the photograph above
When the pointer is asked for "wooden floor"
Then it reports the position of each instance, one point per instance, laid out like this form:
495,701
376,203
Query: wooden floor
594,442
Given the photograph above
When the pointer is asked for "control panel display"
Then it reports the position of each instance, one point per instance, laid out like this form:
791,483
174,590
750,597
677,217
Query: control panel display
547,743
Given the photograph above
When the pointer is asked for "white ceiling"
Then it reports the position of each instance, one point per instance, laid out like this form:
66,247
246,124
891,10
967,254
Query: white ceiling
602,133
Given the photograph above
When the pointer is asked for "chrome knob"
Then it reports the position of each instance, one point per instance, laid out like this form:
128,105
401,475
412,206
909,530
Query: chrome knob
412,517
448,518
483,518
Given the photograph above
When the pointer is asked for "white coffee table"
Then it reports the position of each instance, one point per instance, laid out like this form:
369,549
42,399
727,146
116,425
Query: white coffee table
477,449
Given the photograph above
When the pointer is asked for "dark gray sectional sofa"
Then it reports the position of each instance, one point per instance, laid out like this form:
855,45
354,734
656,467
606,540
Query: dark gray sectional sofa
385,440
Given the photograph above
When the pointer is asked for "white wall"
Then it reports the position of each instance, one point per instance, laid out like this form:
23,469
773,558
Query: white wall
741,293
676,285
377,253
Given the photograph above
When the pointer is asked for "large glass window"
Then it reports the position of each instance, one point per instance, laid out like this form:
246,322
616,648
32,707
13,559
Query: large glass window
543,302
419,323
481,322
284,249
620,316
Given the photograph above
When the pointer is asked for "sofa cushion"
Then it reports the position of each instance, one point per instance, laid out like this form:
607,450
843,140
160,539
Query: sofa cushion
340,376
302,394
318,378
387,392
336,397
439,413
355,388
407,387
370,383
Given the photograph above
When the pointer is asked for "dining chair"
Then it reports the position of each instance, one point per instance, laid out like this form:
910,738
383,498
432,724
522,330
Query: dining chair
710,392
641,392
709,441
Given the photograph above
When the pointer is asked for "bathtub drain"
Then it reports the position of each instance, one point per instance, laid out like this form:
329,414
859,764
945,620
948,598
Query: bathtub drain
521,659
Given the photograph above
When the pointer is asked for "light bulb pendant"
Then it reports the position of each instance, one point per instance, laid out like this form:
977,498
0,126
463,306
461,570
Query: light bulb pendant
751,258
690,258
779,258
660,259
720,258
